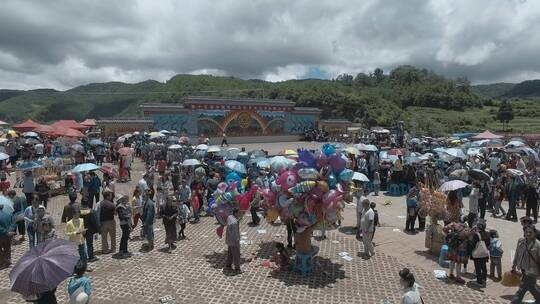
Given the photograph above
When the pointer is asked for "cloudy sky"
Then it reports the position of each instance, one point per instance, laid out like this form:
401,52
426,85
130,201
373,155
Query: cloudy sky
64,43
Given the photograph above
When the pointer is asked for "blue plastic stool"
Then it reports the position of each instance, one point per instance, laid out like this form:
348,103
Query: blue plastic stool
393,189
403,189
303,263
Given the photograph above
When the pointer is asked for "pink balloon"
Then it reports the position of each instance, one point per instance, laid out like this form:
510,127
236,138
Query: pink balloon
331,198
322,160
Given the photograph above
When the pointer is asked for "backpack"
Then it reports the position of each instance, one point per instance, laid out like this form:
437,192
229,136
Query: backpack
480,250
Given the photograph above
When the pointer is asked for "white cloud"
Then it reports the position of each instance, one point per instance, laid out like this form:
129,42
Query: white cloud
51,44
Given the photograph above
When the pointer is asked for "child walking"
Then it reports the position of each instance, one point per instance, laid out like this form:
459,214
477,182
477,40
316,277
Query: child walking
495,254
183,218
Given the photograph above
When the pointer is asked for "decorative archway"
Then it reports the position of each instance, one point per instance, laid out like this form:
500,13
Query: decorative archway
244,119
211,122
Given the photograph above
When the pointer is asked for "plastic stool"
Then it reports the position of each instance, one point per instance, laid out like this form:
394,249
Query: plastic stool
403,189
303,263
393,189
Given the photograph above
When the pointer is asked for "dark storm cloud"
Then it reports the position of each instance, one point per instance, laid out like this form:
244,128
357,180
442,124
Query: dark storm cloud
66,43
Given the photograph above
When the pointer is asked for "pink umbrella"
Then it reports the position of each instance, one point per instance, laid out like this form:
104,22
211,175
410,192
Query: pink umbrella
453,185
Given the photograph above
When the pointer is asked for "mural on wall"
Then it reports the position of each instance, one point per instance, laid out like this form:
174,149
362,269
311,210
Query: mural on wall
172,122
298,124
209,123
244,124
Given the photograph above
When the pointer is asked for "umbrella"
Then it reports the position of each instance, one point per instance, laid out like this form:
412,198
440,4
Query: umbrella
154,135
125,151
288,152
44,267
109,170
415,140
258,153
514,144
85,167
235,165
279,162
3,156
31,141
453,185
30,134
368,148
165,132
30,165
352,150
7,203
232,153
175,147
339,146
514,172
78,148
202,147
396,152
360,177
213,149
479,174
184,140
96,142
413,159
459,173
191,162
454,152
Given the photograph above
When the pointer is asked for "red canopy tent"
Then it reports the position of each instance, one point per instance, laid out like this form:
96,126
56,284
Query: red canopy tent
26,126
44,129
72,124
67,132
487,135
89,122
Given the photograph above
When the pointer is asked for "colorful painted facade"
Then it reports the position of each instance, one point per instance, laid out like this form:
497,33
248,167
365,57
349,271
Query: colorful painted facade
213,116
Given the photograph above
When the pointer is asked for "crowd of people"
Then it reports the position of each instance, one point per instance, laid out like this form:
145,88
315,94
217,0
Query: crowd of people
178,193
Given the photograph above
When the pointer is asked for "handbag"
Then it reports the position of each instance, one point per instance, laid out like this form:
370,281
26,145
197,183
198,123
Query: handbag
480,250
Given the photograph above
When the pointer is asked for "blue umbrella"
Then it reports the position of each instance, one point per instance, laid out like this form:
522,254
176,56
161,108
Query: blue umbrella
44,267
30,165
96,142
236,166
85,167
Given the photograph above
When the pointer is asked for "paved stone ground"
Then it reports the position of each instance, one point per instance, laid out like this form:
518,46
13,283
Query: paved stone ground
193,273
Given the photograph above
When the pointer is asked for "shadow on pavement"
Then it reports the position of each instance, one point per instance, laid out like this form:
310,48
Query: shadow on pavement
325,273
218,259
348,230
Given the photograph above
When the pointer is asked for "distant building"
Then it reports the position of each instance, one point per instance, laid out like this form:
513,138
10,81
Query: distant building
335,126
236,117
119,126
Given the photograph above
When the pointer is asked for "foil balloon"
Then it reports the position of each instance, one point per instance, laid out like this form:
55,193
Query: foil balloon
331,198
296,208
323,186
325,172
303,187
284,201
322,160
308,174
286,180
211,203
332,181
244,199
346,175
307,158
231,179
219,231
328,149
269,197
222,187
337,163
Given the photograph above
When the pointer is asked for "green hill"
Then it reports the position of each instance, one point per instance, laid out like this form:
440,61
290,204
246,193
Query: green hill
528,88
425,101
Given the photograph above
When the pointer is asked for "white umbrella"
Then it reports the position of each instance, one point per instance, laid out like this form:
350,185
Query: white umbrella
280,162
367,148
191,162
360,177
214,149
514,172
202,147
236,166
454,152
514,144
453,185
30,134
165,132
3,156
175,147
232,153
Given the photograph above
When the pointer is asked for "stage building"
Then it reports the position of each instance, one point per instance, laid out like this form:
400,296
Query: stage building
236,117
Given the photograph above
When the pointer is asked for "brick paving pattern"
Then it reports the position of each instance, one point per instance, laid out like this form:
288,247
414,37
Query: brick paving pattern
193,272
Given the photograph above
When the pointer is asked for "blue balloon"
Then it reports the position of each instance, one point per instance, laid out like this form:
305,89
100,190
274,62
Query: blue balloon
346,175
211,203
231,178
332,181
328,149
307,158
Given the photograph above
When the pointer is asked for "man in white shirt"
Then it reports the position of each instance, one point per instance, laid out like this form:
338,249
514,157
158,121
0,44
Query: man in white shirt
367,224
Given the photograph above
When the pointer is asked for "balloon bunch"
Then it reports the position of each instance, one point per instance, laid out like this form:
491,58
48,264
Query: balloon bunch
311,192
227,197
